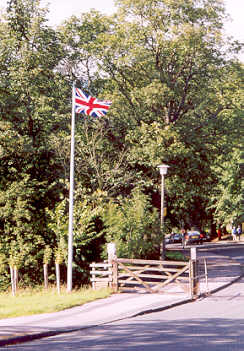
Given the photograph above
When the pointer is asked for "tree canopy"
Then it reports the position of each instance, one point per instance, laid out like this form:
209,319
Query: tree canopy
177,99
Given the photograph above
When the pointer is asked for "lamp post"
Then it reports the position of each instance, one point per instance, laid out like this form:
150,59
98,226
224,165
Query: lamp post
163,171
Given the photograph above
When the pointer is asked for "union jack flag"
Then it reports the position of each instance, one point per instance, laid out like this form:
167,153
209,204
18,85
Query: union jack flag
89,105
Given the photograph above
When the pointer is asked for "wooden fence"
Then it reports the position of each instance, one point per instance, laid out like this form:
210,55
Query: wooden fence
101,275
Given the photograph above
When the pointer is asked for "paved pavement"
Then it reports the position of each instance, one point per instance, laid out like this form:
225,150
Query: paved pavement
222,271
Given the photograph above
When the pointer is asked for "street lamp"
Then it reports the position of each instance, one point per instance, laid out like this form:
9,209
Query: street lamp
163,171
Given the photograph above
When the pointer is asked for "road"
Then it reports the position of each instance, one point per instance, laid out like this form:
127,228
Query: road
236,253
215,323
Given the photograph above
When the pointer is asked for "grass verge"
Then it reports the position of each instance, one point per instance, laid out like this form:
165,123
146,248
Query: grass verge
36,301
175,256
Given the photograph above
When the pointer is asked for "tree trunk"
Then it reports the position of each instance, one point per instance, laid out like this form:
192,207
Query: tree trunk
15,279
58,277
213,232
12,280
45,270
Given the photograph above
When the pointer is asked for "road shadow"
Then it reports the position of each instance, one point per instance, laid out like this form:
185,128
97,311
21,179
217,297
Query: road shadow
216,334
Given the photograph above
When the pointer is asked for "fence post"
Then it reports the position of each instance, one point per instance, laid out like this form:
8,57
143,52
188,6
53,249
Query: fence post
206,275
111,249
194,273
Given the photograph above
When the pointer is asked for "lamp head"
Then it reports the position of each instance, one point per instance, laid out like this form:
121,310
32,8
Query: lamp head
163,169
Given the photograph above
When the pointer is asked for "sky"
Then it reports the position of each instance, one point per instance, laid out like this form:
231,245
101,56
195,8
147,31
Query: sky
62,9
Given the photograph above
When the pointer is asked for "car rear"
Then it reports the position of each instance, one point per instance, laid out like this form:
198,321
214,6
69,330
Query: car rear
193,237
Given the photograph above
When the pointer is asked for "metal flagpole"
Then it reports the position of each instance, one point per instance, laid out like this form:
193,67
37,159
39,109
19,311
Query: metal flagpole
162,246
71,194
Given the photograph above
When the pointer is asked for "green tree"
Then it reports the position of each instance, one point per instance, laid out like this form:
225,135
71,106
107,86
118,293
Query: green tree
228,198
163,65
172,82
176,99
132,224
30,172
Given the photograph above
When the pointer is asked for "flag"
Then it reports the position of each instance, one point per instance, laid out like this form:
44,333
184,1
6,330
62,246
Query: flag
89,105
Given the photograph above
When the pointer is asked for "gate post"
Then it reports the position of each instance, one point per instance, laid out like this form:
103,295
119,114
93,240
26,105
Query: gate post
115,275
194,274
111,249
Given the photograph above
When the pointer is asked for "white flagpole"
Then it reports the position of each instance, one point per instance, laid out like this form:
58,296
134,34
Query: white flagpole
71,194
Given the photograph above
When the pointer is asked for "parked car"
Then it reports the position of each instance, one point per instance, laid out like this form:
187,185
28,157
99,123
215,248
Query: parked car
175,238
193,237
205,236
167,239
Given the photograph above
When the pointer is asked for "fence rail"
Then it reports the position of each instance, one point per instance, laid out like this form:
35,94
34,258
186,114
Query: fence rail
101,275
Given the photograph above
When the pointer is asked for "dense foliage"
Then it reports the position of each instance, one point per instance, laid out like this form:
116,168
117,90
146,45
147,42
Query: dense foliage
177,99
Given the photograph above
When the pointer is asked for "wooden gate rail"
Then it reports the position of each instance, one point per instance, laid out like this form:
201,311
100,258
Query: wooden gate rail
149,275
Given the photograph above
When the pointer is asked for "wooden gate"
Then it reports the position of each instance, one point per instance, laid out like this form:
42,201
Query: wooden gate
150,275
141,275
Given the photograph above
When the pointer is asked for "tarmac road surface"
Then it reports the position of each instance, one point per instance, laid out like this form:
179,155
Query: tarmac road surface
215,323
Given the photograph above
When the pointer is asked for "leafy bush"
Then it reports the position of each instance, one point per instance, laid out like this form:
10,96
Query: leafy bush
133,225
